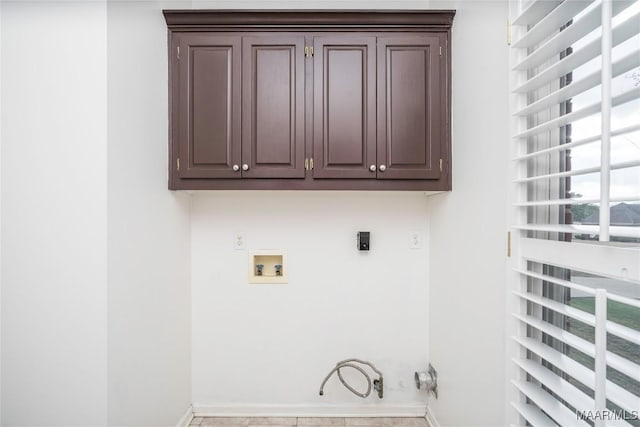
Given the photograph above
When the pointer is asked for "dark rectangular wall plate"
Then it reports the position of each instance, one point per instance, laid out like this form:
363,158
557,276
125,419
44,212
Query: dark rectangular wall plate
364,240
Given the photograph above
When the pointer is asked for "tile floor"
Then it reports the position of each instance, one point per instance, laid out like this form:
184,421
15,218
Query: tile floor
308,422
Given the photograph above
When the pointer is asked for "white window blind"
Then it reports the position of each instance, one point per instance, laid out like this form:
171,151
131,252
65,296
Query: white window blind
579,90
575,294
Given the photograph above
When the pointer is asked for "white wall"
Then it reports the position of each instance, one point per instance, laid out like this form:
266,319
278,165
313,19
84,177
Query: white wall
0,215
54,221
149,291
92,240
267,348
468,227
458,312
308,4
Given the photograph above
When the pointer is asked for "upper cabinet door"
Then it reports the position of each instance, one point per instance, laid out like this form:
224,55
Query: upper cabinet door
409,107
344,125
273,106
209,106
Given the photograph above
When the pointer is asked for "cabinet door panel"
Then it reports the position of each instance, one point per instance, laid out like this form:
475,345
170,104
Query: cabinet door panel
273,106
409,103
344,141
209,123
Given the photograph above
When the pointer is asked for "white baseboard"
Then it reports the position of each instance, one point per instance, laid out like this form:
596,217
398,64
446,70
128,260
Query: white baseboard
231,410
185,420
431,420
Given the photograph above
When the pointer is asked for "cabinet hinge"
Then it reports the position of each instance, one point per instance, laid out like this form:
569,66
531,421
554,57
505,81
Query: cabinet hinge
509,32
311,163
308,51
440,50
440,165
178,49
178,163
509,244
306,164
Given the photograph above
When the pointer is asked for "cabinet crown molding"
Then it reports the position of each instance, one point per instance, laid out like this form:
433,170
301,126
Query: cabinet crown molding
206,19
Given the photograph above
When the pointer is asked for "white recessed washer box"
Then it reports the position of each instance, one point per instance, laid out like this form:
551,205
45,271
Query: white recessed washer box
268,266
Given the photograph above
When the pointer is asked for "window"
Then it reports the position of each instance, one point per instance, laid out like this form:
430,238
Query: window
575,338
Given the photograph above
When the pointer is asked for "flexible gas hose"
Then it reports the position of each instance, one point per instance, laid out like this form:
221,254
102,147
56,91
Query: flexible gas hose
349,363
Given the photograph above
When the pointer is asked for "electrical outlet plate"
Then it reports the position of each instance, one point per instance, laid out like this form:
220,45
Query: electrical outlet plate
415,240
239,241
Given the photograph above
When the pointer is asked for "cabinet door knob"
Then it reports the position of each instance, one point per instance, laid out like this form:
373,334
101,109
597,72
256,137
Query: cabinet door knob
382,168
235,168
372,168
245,167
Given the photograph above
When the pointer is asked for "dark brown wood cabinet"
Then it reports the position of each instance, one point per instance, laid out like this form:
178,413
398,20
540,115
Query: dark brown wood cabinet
344,106
208,128
273,106
409,107
349,100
